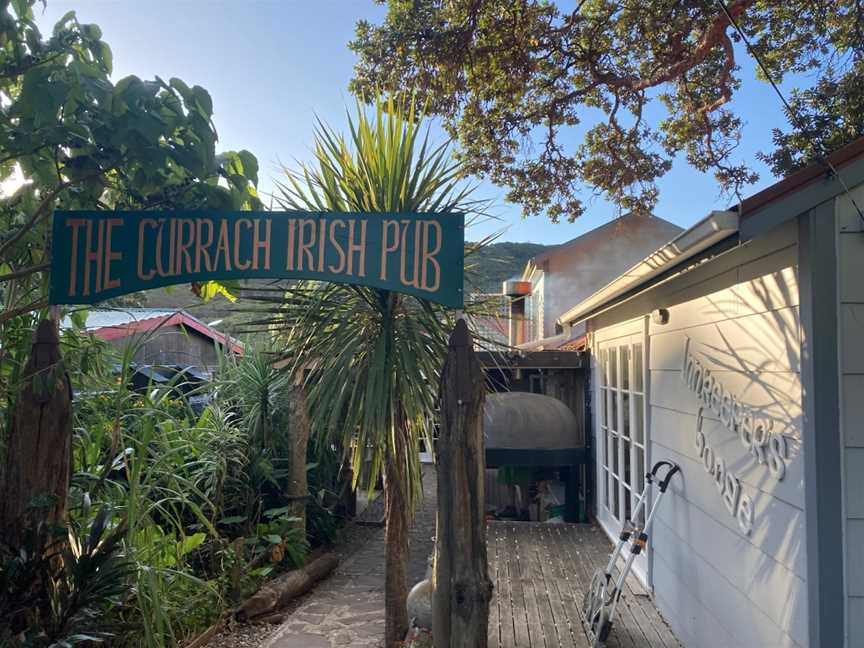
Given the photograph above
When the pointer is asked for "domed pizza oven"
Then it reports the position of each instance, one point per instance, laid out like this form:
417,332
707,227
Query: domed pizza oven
532,439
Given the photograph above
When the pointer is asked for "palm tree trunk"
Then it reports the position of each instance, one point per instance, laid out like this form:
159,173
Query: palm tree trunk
298,435
396,550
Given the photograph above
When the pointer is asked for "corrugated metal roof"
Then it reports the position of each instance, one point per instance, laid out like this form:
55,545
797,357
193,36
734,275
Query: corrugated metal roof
117,324
97,319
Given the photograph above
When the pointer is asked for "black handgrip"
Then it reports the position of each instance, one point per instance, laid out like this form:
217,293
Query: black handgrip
672,468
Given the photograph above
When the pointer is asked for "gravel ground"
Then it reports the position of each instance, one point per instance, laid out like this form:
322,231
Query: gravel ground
243,636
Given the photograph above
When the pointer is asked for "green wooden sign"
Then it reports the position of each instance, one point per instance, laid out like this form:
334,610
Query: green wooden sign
100,254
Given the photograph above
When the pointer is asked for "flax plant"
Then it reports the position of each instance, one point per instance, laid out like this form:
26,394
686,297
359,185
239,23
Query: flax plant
371,358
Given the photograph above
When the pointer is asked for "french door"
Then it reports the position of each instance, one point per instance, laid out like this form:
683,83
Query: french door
621,434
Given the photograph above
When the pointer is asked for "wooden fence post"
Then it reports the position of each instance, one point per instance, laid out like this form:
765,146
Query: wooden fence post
462,586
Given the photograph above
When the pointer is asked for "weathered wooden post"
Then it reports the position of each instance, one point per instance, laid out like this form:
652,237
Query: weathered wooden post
39,446
462,586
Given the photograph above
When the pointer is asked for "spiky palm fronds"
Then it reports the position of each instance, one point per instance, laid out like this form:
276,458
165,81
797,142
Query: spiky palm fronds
372,357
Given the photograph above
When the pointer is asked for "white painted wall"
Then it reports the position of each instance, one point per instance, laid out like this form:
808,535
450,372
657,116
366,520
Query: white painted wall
716,585
576,269
850,257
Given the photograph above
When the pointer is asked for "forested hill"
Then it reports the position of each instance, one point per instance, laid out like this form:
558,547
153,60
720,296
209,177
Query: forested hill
486,268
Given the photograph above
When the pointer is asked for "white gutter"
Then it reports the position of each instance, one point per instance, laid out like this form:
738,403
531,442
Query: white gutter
713,228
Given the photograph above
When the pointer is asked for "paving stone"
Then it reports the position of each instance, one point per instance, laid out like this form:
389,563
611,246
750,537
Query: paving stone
372,606
360,619
347,609
301,641
318,608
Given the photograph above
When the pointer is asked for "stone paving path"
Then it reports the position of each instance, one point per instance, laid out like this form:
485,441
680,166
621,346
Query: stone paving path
347,609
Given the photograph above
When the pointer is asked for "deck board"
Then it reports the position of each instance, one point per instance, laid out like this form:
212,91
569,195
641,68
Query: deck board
567,586
541,572
561,600
494,635
506,634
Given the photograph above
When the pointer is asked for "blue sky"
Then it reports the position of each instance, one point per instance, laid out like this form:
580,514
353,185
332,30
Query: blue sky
272,65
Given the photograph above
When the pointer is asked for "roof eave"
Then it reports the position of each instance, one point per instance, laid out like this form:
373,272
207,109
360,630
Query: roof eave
715,227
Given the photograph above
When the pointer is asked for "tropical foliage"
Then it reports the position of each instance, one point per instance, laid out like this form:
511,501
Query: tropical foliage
174,516
70,138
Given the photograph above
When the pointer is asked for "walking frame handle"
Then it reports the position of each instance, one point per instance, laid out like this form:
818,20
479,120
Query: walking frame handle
671,469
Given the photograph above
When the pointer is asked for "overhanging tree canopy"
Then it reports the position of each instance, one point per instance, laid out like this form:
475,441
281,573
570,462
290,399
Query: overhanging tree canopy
71,138
650,80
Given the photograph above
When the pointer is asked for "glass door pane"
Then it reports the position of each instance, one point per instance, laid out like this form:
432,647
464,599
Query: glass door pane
638,422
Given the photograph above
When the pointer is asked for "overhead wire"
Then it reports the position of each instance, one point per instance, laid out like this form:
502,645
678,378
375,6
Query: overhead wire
790,112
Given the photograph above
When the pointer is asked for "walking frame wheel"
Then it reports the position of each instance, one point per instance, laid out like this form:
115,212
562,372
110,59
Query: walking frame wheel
601,599
600,629
594,598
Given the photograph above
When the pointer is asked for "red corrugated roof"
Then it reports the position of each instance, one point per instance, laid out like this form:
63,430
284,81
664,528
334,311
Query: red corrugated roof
178,318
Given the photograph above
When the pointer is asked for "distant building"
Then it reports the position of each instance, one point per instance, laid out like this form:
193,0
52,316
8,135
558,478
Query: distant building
164,338
556,279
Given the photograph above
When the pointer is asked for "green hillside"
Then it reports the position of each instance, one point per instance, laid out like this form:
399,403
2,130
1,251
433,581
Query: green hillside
489,266
485,270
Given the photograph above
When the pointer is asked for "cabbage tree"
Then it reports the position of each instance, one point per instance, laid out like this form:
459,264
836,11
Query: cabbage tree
371,357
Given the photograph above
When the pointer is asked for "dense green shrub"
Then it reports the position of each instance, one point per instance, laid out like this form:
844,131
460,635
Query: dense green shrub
173,517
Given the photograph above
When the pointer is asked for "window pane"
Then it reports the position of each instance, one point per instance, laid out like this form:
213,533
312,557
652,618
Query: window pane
627,509
639,477
606,436
625,367
625,414
613,484
602,399
625,450
637,368
614,454
605,488
613,410
604,366
613,367
638,420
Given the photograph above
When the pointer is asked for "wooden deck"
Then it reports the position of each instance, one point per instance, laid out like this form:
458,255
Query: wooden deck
541,572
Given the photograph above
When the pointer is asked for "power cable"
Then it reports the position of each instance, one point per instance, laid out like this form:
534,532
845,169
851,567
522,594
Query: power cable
793,116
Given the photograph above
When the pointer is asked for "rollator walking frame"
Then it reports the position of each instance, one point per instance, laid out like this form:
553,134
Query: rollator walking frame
601,599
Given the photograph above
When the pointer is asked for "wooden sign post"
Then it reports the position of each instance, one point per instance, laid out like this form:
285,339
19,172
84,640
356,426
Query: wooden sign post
462,586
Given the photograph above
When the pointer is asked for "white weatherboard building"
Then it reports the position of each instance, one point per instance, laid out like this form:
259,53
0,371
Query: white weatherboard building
737,351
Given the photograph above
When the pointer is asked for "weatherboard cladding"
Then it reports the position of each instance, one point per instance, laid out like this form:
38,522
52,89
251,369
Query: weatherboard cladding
716,585
850,253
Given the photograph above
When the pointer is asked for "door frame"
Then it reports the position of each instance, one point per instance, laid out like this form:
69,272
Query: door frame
633,390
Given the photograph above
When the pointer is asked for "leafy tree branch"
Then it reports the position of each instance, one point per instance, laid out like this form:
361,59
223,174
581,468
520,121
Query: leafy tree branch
600,99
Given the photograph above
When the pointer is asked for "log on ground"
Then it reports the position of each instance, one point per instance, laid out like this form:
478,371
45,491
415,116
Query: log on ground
285,588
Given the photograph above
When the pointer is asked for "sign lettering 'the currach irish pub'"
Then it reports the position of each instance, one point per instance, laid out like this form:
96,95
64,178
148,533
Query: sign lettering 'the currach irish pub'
98,255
